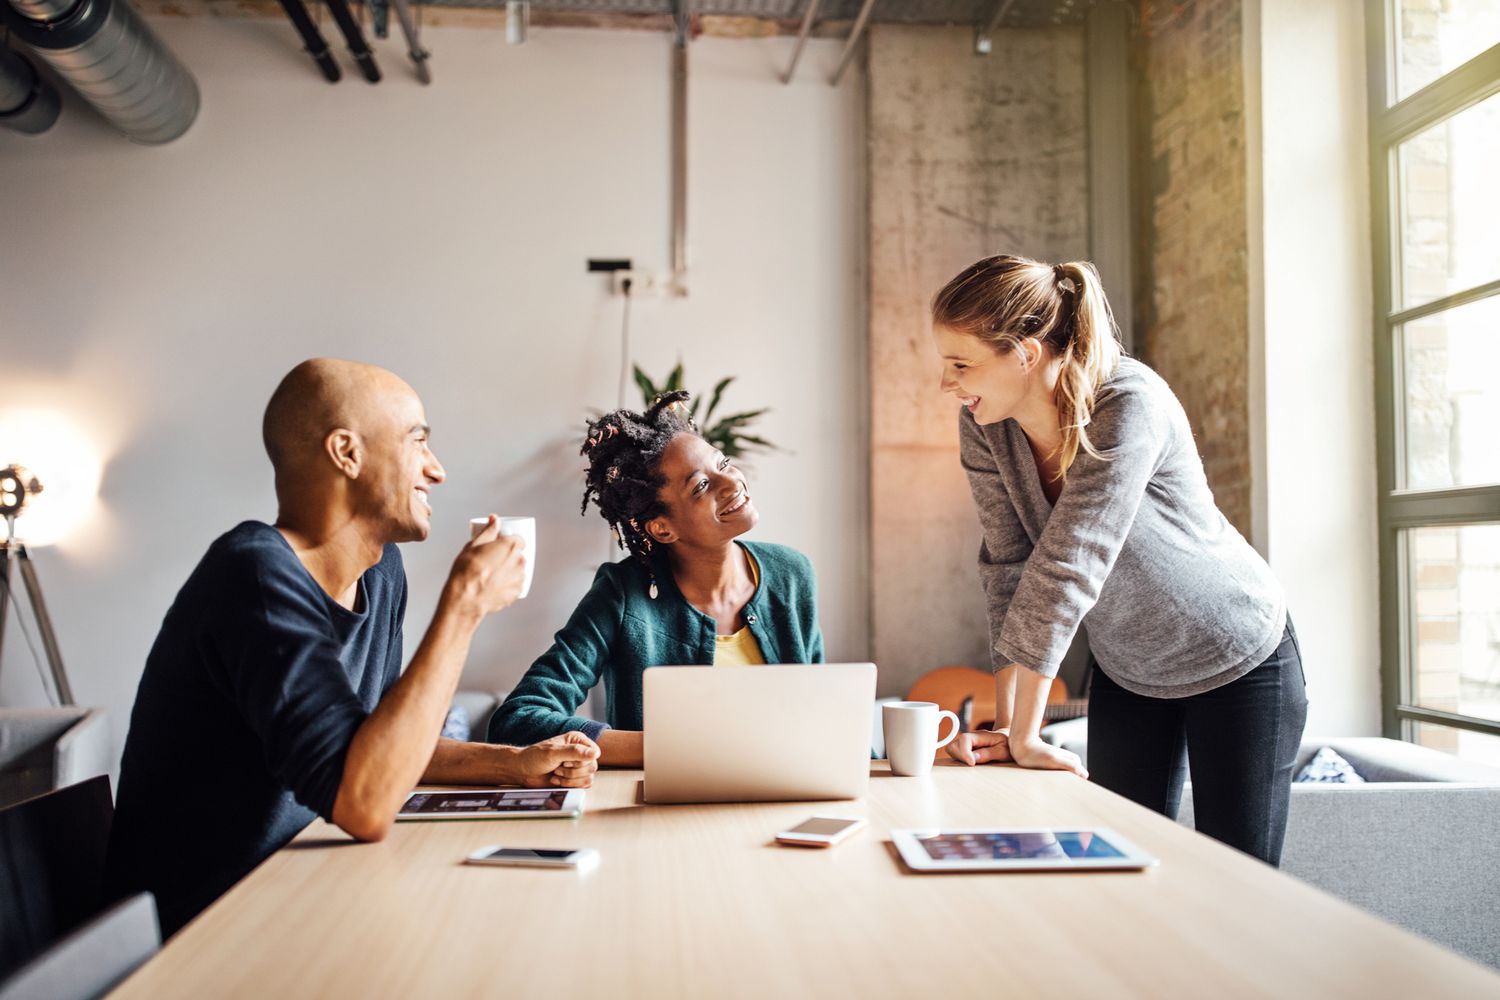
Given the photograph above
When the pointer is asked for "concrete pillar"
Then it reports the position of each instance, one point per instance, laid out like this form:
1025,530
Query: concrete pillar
969,156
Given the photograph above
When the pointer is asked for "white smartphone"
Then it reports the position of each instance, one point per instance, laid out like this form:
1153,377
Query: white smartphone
820,831
535,857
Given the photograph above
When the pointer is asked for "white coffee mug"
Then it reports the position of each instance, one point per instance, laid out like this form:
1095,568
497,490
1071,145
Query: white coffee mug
911,735
523,528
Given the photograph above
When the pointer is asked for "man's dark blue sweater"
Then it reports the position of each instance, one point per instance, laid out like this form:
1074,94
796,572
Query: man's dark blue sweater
250,699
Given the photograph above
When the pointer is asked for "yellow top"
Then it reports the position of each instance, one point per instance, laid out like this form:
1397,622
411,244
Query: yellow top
740,649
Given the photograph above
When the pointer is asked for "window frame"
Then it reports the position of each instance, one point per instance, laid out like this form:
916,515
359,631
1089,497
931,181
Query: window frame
1399,510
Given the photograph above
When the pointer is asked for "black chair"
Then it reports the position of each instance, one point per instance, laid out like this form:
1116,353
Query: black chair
51,868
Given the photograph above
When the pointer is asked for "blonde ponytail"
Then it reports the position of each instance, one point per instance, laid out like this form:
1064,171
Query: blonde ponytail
1005,299
1089,357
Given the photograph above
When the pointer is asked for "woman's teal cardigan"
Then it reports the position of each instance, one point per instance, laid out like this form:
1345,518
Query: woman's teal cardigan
617,631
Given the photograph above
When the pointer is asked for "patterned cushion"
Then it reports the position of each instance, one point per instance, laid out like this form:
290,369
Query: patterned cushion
456,726
1328,766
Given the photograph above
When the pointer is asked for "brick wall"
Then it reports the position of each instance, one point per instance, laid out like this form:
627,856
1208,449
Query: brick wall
1192,316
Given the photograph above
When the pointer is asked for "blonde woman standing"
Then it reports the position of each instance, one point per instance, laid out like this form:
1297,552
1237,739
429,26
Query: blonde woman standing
1096,514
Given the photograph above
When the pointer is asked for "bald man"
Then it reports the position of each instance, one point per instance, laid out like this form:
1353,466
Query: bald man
274,691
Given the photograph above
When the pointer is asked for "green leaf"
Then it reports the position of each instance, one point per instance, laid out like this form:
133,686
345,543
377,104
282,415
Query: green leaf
713,401
648,391
726,434
739,419
759,442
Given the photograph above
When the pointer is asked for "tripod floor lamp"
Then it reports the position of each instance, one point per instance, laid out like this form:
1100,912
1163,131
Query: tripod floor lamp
17,487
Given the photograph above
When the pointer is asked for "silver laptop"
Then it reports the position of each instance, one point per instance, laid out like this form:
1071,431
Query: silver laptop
758,734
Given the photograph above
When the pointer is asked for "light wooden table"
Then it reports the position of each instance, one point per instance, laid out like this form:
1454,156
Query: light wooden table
698,901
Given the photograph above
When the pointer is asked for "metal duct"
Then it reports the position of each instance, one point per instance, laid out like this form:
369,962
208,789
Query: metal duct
113,59
28,103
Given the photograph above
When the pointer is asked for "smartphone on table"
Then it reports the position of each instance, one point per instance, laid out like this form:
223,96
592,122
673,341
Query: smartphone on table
535,857
820,831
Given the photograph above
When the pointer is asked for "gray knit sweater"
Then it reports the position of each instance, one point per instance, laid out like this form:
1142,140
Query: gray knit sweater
1174,600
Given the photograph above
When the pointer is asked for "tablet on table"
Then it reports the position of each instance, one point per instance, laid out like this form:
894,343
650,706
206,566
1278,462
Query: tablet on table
493,803
1018,849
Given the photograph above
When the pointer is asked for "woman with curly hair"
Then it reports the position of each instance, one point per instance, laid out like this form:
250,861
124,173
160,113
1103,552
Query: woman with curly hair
691,593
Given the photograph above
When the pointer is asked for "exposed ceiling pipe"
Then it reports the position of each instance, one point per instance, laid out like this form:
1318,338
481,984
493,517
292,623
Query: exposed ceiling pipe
312,39
355,38
414,50
28,103
113,59
380,14
853,41
808,17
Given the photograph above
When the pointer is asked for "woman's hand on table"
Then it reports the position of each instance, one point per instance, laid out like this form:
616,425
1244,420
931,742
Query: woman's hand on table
983,746
1034,753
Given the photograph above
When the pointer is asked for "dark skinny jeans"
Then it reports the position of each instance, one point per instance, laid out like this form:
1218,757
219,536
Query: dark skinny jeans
1240,740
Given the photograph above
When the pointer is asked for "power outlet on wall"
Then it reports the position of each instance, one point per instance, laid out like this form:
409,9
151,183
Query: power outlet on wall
642,283
648,284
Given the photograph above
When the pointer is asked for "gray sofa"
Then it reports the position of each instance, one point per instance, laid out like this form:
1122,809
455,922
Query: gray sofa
477,707
46,748
1415,844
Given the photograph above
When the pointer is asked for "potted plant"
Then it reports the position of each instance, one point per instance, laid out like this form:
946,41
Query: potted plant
729,434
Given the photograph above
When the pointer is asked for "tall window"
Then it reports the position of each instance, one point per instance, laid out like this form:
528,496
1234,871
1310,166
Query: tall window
1435,179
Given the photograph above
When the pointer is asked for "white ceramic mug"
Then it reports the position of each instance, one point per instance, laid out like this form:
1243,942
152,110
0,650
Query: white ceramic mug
523,528
911,735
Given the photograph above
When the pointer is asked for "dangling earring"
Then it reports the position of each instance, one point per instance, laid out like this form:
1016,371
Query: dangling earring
646,546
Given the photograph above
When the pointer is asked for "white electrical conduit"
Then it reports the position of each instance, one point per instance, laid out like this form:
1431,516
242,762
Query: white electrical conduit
682,23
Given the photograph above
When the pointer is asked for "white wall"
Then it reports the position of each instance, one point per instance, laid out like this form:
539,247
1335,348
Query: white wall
157,295
1310,249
